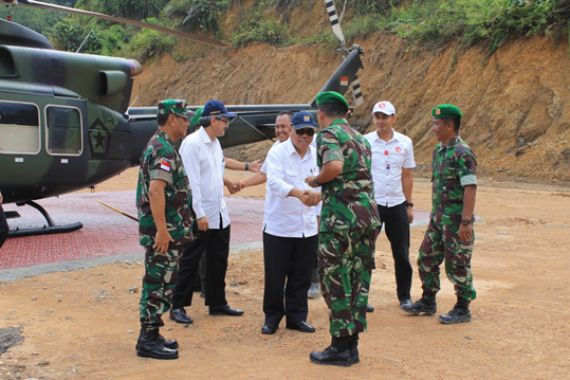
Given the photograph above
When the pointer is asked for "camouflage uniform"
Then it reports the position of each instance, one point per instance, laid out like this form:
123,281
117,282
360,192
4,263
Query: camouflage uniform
454,166
160,161
348,228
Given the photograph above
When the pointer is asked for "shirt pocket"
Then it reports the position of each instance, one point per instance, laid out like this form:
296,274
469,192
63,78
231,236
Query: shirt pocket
291,176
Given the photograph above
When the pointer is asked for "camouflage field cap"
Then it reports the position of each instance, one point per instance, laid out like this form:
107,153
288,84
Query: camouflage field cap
174,106
446,111
328,97
195,121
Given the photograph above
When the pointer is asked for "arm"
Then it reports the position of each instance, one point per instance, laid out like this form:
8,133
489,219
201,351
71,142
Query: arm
466,232
275,176
256,179
330,171
407,186
158,207
237,165
191,159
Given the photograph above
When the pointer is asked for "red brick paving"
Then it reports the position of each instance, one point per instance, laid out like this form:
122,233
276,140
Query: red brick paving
104,232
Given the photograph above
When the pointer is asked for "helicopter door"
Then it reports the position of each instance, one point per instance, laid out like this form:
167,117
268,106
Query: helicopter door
64,135
19,128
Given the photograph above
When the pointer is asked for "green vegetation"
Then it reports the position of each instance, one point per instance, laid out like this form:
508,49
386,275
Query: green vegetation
426,22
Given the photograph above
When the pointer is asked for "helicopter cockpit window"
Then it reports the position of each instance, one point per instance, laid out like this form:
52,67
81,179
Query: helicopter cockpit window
64,130
19,128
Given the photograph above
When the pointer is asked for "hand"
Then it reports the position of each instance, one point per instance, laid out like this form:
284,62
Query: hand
312,198
234,187
1,199
161,241
203,224
311,181
255,166
466,233
410,211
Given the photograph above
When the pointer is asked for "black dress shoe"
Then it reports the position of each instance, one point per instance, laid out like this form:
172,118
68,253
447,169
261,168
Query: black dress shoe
405,304
302,326
369,308
225,310
422,306
269,328
179,315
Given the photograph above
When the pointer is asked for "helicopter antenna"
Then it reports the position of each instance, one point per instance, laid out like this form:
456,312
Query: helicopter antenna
355,89
84,40
193,37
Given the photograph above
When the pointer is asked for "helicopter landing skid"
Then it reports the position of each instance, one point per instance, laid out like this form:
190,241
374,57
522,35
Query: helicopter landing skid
50,228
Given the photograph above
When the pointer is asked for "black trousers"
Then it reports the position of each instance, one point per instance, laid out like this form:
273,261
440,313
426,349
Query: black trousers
291,260
216,243
397,227
3,227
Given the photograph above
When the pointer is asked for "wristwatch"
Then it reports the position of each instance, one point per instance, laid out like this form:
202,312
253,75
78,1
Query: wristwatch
408,204
246,166
466,222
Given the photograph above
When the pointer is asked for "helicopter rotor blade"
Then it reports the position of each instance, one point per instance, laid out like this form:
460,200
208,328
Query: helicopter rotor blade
179,33
357,97
335,23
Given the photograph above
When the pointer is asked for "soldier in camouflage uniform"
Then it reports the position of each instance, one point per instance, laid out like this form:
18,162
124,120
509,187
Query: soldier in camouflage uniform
450,235
165,223
348,228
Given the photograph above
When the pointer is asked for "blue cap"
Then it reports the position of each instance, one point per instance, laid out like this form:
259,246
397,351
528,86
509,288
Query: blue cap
216,108
303,119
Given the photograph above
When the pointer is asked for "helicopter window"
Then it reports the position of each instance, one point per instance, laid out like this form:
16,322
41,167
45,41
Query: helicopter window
19,128
64,130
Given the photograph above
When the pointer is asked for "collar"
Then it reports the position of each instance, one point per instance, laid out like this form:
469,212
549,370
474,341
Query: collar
290,149
452,143
204,136
394,137
165,136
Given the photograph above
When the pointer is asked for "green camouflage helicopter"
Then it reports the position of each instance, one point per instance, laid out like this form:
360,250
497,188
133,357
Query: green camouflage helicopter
65,122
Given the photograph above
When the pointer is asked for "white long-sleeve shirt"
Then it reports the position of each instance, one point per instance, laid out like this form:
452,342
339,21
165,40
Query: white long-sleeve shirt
288,216
388,159
203,160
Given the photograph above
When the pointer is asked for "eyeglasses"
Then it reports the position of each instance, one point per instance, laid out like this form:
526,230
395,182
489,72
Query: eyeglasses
223,119
305,131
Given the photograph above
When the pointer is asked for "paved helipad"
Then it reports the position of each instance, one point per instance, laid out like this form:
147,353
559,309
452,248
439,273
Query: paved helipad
108,236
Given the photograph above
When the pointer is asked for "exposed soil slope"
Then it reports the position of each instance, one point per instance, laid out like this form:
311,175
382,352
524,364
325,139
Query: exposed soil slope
516,102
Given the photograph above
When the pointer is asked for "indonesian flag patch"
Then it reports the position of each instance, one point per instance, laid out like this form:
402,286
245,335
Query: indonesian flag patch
344,81
165,165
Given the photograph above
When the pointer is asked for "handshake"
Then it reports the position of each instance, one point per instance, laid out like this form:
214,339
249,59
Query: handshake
309,197
234,186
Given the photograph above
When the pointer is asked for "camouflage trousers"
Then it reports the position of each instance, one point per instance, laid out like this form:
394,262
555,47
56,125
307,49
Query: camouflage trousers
345,261
441,241
158,285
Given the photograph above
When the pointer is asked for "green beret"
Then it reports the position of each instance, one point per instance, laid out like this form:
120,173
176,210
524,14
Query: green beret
328,97
195,121
446,111
174,106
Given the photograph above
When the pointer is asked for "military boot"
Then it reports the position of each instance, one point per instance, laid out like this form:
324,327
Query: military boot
149,345
459,314
354,349
168,343
424,305
338,353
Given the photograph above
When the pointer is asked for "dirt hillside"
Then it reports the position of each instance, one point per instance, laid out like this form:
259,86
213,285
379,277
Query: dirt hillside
516,102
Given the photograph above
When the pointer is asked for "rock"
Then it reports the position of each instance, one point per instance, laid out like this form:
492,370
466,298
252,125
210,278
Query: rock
43,363
133,290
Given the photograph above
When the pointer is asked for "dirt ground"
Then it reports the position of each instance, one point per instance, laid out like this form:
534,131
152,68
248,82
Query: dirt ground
83,324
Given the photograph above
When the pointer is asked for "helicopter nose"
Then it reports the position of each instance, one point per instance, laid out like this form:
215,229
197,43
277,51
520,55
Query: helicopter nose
136,67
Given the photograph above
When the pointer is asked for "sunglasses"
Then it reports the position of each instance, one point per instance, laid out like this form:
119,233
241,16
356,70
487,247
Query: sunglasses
305,131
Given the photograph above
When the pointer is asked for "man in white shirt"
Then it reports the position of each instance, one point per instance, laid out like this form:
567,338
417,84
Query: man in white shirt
392,164
290,233
204,162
